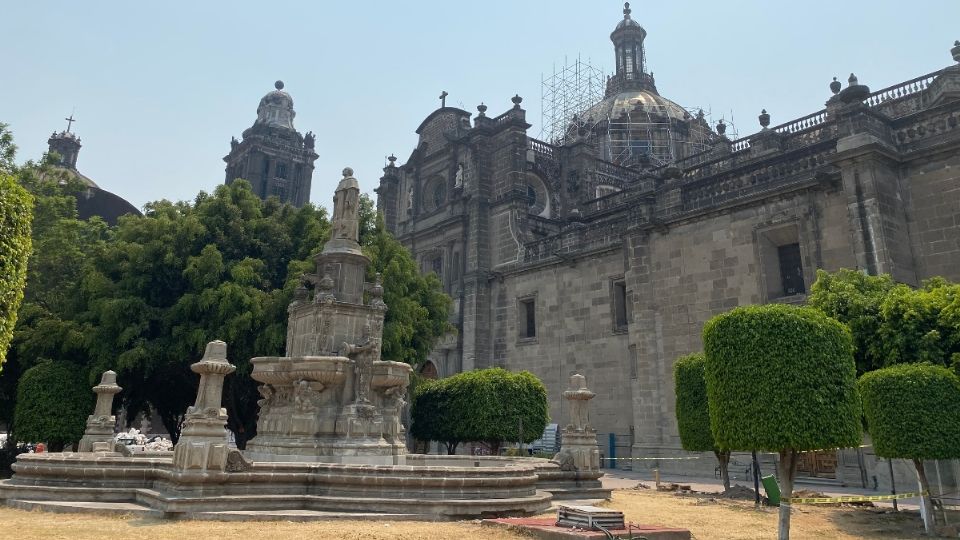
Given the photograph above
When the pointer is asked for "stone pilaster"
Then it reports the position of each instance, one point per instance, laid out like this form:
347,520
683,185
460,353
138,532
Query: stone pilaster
203,440
100,424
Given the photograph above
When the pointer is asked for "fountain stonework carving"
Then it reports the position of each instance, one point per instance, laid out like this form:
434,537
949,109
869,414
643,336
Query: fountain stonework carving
578,450
329,436
332,398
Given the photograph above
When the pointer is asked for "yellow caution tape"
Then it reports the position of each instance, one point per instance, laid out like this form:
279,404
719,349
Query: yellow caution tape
853,498
651,458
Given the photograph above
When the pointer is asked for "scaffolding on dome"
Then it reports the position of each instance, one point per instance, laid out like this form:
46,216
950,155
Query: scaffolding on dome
570,90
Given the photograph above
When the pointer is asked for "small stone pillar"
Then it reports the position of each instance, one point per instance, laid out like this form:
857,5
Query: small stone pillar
578,447
203,440
100,424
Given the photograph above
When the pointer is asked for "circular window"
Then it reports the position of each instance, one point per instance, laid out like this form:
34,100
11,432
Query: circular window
439,194
538,200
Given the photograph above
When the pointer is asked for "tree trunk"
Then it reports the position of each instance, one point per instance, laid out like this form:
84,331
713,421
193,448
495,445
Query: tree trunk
494,447
786,469
723,456
452,447
926,507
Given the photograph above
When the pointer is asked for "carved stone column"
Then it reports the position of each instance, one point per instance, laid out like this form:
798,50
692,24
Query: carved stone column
578,448
100,424
203,441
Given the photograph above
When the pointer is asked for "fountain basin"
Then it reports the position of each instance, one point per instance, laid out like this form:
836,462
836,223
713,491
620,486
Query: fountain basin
279,370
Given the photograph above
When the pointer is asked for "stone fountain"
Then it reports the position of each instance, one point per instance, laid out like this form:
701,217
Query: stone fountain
329,437
332,399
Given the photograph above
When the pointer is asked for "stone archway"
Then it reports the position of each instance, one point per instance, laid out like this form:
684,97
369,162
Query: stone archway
429,370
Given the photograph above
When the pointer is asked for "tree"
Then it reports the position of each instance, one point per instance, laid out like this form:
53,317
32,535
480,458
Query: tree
913,412
855,299
693,411
893,323
494,405
781,378
53,401
432,415
15,246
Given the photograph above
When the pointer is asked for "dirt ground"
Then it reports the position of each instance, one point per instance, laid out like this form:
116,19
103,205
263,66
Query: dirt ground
706,517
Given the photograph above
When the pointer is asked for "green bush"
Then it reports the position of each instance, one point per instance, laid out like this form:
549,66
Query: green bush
693,411
16,211
781,378
53,402
489,405
913,412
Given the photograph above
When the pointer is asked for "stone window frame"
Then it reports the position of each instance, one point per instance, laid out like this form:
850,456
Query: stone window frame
522,338
612,287
767,238
428,202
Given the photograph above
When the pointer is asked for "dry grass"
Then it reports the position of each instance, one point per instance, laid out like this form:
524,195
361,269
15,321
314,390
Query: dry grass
22,524
707,518
738,520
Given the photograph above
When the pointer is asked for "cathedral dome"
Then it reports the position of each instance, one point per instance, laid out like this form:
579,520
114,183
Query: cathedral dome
633,103
276,109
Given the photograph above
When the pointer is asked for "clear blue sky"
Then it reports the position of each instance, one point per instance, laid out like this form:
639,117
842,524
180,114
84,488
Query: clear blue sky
160,87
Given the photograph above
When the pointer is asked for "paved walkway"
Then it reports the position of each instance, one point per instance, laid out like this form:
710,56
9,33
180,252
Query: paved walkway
617,479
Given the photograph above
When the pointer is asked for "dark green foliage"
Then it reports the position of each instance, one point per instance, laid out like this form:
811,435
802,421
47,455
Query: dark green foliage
53,401
15,246
913,411
489,405
781,377
855,299
693,411
432,416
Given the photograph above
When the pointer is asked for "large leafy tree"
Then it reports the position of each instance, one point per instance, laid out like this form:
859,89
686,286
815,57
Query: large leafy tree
433,416
15,247
781,378
913,412
693,411
893,323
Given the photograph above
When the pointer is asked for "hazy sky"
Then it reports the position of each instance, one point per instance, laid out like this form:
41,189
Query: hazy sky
159,88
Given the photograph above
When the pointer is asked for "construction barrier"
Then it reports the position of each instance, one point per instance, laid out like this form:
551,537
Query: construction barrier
854,498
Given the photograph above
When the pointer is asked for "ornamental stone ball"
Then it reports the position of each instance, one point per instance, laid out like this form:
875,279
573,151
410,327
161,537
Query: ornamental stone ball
278,85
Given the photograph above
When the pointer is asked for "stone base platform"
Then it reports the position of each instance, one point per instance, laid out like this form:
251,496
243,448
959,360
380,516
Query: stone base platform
545,529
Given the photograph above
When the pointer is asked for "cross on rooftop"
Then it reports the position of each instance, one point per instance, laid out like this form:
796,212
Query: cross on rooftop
70,122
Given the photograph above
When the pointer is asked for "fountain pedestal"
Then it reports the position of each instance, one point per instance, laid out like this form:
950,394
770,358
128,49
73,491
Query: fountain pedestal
332,399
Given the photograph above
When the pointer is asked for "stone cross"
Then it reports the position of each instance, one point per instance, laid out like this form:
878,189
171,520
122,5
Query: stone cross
443,99
100,423
70,122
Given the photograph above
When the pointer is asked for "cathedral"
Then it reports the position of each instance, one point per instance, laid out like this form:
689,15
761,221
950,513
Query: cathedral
605,252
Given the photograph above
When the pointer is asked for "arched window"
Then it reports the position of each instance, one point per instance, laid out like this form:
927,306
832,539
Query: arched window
537,196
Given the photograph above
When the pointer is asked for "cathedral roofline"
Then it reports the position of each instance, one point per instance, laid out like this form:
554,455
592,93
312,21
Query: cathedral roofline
429,117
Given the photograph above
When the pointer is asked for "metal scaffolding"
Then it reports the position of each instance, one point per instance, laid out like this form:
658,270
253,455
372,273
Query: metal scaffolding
571,89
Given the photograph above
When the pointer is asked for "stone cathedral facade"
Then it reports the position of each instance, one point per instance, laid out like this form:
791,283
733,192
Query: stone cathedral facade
606,253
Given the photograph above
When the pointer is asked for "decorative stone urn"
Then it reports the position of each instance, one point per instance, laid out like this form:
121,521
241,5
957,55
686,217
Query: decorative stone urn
331,398
578,447
100,424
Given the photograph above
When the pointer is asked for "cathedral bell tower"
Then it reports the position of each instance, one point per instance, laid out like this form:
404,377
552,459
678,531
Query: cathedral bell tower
273,156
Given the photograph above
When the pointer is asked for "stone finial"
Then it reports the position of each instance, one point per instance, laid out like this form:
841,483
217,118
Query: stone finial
578,395
764,119
955,51
835,86
517,100
852,80
278,85
721,128
626,10
482,108
100,424
202,443
393,160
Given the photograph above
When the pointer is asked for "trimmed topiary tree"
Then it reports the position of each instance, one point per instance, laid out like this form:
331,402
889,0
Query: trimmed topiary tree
16,213
693,411
494,405
432,417
913,412
781,378
53,402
